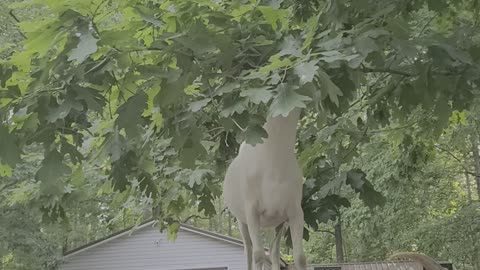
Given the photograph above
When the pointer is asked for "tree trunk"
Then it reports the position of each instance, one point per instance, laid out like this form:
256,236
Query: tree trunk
339,242
65,247
229,231
476,161
221,216
469,186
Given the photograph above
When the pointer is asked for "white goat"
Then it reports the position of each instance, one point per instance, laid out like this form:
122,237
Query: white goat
263,188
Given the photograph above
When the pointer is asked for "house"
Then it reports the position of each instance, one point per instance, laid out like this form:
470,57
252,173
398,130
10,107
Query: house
146,248
391,265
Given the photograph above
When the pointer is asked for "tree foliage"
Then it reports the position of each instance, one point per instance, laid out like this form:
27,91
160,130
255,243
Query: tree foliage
155,96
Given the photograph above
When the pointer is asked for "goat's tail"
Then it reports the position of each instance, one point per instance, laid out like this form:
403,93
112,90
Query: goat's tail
427,262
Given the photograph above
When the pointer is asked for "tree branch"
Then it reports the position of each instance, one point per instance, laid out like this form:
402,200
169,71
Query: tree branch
465,169
450,154
394,129
11,184
408,74
426,25
387,70
13,16
18,21
194,216
326,231
469,173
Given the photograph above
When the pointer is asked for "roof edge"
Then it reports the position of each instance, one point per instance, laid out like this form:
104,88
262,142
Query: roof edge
148,222
108,238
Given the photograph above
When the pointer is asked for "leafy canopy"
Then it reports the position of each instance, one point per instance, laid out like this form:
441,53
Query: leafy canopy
155,92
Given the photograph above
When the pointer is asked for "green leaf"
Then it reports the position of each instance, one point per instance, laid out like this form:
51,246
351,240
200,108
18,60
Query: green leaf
241,10
130,114
77,179
254,134
227,88
173,231
356,178
198,175
290,46
455,53
365,45
199,39
5,170
287,100
275,63
148,185
443,111
143,12
306,71
437,5
332,56
333,91
51,172
198,105
114,145
405,47
331,187
206,205
191,151
92,98
5,74
9,151
232,106
72,151
258,95
85,47
171,89
273,16
398,27
371,197
311,27
119,174
63,109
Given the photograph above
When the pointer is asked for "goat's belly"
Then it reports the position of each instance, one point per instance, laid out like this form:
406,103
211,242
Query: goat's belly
269,212
276,202
266,218
272,219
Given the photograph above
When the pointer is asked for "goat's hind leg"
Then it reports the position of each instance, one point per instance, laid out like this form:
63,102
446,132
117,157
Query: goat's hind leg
275,250
253,224
247,242
296,229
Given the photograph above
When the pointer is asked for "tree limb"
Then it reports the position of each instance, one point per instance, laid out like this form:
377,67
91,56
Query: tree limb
407,74
194,216
465,169
449,153
13,16
18,21
387,70
11,184
326,231
395,128
426,25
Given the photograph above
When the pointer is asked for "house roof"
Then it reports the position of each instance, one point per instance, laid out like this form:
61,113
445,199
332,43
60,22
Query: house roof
390,265
106,238
184,227
393,265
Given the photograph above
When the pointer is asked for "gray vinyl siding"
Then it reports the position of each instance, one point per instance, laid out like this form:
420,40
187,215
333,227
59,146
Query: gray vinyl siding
148,249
